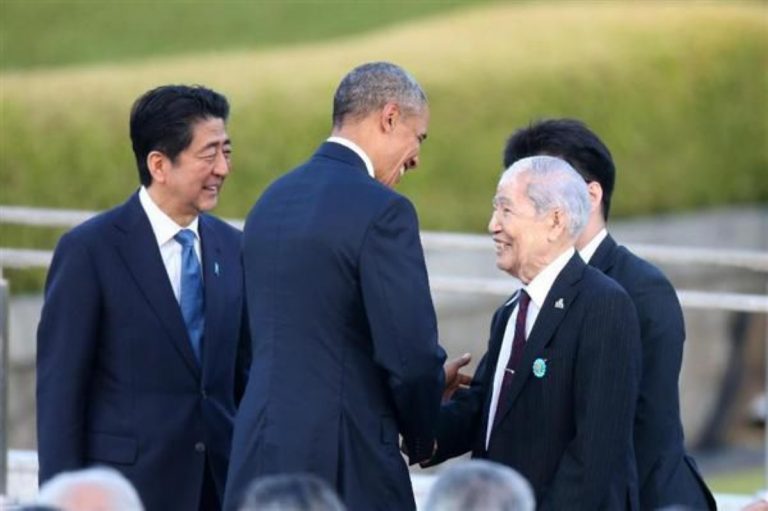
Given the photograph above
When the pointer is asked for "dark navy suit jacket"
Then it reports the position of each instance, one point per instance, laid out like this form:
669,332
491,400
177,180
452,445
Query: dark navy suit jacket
117,380
568,430
345,352
667,475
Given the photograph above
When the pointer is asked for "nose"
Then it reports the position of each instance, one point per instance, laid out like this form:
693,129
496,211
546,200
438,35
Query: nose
493,223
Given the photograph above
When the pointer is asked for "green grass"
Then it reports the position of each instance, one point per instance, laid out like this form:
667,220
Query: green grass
678,92
38,33
745,482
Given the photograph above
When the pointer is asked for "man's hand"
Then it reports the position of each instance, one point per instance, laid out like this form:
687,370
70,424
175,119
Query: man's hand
453,378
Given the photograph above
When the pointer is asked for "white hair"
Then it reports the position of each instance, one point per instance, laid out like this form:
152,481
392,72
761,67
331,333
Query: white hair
480,485
68,486
553,183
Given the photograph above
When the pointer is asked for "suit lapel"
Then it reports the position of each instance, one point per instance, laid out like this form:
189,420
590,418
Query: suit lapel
563,292
138,249
494,347
605,255
214,278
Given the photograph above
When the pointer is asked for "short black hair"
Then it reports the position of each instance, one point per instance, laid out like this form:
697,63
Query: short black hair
572,141
163,118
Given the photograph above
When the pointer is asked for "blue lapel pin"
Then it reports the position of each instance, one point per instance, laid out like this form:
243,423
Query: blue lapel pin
216,269
540,367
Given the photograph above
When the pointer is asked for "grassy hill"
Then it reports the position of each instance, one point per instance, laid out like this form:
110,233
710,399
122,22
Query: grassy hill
41,33
678,91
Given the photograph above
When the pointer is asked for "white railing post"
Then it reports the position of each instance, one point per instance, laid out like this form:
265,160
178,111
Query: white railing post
4,368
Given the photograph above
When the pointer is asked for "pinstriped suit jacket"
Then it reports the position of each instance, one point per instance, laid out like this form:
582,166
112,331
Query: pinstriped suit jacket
569,431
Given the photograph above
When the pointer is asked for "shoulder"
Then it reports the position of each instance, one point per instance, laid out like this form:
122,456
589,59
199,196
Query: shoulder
597,284
95,229
637,275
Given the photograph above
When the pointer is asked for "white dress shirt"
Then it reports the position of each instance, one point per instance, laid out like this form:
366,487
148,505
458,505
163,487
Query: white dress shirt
590,248
358,151
165,229
537,289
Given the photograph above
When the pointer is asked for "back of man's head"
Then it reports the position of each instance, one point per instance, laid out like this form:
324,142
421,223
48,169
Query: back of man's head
93,489
163,118
290,492
368,87
480,485
572,141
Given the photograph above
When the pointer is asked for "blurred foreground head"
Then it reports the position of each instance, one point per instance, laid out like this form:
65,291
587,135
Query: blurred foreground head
292,492
480,485
93,489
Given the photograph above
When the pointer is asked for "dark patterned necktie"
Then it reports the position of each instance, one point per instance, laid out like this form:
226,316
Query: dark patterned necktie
518,345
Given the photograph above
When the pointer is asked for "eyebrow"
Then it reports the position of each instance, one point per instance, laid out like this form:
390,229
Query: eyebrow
215,143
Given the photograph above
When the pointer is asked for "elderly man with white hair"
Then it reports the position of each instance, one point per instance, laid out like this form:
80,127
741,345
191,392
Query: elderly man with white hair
554,396
480,485
92,489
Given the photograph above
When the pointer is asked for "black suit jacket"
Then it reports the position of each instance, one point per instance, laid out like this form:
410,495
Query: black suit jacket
117,381
344,336
667,475
569,430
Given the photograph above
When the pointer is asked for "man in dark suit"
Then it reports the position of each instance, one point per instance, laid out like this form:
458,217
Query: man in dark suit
667,475
344,332
142,344
554,396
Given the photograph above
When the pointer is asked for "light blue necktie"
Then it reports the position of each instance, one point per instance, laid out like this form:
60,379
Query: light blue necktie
191,295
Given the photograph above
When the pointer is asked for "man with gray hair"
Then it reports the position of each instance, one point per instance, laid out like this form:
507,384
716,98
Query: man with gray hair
92,489
345,351
555,394
290,492
480,485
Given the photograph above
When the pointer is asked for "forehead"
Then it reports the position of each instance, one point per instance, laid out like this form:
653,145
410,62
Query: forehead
208,130
419,118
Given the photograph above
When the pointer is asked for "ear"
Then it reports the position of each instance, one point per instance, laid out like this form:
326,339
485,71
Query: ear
389,116
556,224
595,192
158,165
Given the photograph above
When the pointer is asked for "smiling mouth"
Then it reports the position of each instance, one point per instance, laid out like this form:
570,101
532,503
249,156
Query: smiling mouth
212,188
501,244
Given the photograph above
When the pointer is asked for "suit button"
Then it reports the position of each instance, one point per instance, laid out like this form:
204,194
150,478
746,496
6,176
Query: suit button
200,447
203,393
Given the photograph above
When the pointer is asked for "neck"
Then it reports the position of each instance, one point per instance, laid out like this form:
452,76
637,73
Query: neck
595,224
166,206
536,265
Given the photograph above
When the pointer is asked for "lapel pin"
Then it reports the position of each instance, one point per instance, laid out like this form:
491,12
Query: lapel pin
540,367
216,269
559,304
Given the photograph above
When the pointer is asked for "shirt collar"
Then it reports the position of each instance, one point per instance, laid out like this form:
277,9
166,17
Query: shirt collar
163,226
590,248
357,150
539,287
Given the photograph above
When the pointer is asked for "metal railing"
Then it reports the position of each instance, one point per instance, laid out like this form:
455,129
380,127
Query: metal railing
37,217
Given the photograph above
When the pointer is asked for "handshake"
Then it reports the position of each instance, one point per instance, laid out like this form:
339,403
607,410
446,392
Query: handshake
454,378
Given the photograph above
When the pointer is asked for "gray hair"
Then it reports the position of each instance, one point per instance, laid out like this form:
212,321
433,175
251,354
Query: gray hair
64,489
480,485
369,87
553,183
290,492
